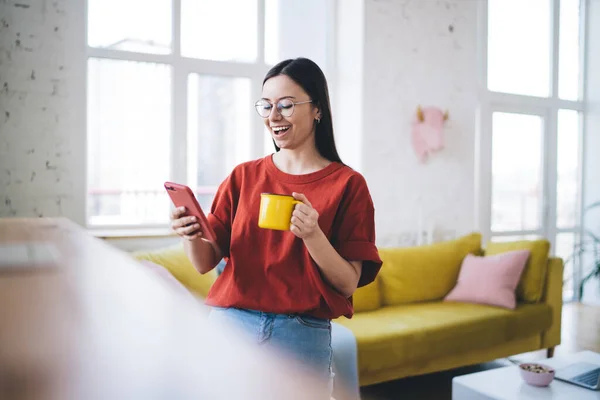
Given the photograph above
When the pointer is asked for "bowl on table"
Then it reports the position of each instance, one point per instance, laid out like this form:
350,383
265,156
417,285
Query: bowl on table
536,374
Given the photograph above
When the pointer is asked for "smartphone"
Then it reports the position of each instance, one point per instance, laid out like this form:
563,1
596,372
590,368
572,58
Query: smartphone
182,196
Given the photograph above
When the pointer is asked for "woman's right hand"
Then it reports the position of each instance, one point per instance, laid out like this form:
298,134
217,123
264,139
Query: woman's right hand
186,227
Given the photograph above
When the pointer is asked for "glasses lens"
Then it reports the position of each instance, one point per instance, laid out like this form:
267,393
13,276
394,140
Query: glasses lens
263,108
285,107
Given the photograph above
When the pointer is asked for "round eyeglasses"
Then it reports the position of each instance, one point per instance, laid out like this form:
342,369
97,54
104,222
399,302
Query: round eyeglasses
285,107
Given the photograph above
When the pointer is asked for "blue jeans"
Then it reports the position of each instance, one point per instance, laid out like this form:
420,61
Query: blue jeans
305,338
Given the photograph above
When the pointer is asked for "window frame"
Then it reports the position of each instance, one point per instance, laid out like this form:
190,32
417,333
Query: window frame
547,107
181,67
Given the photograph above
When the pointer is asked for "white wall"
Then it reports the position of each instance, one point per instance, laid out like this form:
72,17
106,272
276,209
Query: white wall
348,98
421,52
42,126
592,133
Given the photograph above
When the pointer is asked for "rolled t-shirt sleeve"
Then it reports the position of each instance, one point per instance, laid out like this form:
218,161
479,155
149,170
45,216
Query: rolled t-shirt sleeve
355,238
222,212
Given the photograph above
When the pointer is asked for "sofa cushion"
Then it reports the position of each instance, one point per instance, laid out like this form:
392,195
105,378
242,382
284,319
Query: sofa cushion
424,273
490,280
175,260
531,284
398,335
368,297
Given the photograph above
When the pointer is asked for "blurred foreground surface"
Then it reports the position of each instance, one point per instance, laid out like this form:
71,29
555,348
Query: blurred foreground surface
81,320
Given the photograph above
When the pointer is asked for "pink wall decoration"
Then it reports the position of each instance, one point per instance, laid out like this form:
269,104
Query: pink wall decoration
427,134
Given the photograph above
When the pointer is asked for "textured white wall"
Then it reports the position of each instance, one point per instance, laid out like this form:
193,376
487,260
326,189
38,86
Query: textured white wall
419,52
42,122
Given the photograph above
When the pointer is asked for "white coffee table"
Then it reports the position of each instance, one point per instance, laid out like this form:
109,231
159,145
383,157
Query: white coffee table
506,383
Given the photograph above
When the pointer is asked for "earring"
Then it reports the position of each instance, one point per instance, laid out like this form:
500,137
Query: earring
318,120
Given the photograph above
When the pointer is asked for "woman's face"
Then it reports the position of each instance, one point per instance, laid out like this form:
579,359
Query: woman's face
289,132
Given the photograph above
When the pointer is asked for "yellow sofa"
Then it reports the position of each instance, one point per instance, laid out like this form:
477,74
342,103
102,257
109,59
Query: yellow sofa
404,328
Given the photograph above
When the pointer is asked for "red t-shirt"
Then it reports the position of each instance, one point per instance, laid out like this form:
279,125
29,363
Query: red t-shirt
272,271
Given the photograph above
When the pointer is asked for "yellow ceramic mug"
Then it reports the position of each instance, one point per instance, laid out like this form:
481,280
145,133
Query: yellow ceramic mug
276,211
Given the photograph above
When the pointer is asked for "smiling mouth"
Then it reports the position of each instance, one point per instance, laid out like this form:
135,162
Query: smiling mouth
279,130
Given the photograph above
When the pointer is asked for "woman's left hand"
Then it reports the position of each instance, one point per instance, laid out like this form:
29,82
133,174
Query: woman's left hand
305,219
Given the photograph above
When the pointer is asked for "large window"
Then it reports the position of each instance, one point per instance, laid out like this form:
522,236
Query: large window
171,84
530,155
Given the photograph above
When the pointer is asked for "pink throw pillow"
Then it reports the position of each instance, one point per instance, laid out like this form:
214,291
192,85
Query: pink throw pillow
490,280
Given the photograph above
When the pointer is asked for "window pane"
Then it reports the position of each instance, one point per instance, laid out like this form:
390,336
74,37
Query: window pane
568,68
224,30
129,125
516,172
219,112
519,43
565,245
567,174
284,19
130,25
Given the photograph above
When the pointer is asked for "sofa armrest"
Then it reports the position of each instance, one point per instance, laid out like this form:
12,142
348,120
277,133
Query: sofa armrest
174,260
553,296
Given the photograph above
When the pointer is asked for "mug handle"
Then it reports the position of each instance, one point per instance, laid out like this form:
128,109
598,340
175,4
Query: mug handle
297,202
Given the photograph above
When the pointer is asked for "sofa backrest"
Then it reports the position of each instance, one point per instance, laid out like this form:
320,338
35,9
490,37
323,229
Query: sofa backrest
368,298
401,279
424,273
428,273
409,274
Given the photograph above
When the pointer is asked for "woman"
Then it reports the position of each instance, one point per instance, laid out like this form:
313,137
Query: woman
284,287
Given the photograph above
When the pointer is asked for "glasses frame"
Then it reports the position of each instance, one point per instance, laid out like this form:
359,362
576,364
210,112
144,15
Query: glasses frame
276,107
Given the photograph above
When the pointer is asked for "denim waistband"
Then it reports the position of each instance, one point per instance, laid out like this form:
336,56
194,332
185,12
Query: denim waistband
257,313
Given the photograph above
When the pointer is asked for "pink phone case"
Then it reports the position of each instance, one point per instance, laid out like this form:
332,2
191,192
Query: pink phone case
182,196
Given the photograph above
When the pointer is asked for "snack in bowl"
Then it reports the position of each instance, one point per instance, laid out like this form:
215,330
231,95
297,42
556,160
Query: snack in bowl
536,374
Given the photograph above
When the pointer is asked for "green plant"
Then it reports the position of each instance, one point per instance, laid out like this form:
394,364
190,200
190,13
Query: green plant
586,253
